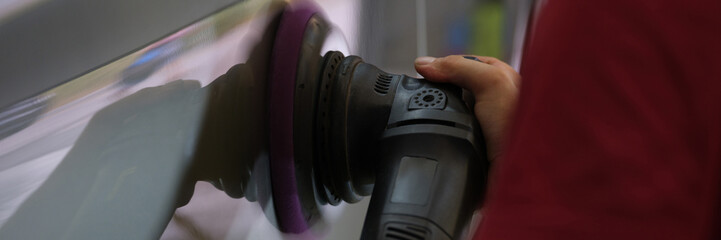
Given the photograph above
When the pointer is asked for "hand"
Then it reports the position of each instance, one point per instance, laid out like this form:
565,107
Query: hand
493,83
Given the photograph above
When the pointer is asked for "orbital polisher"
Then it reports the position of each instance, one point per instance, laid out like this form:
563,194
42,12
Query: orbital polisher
337,129
341,129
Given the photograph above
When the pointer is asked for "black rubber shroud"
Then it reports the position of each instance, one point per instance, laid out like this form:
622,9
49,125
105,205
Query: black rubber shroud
320,131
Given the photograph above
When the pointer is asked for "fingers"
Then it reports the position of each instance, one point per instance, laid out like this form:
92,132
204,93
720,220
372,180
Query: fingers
510,72
475,76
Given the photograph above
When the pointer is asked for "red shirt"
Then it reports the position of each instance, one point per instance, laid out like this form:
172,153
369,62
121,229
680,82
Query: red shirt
618,130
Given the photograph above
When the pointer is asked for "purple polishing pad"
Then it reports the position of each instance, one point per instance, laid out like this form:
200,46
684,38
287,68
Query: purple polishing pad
283,68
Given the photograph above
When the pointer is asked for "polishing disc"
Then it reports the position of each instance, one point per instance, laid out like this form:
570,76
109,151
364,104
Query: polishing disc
300,40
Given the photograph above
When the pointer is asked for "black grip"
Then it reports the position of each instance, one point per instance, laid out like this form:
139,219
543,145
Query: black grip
427,184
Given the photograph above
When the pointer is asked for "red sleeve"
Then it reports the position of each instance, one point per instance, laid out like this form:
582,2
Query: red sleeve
618,131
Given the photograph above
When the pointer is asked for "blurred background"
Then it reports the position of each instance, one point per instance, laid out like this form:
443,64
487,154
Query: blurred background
62,61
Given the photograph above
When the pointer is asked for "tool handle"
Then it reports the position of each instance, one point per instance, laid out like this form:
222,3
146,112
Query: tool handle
427,185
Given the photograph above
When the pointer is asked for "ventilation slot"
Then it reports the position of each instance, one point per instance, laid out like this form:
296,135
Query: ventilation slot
398,231
383,83
431,98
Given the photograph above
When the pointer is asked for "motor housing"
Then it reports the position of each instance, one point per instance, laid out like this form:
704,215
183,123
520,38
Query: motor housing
414,144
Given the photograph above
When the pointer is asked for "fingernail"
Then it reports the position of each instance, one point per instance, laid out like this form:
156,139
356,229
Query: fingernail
473,58
424,60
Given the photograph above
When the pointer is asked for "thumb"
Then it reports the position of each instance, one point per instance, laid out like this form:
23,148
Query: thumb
476,76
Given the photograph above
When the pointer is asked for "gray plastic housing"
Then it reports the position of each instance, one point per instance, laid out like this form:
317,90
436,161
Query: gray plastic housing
414,144
431,173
